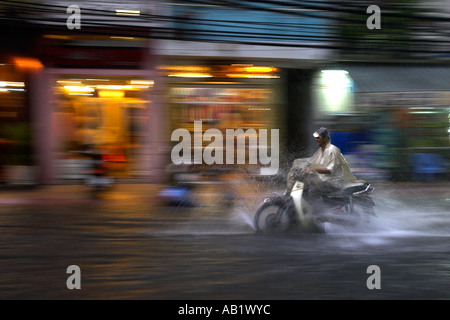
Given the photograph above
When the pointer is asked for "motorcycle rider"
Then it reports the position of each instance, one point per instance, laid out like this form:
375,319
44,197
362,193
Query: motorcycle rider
325,172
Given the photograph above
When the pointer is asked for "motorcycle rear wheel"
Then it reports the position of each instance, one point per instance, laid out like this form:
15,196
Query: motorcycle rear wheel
272,217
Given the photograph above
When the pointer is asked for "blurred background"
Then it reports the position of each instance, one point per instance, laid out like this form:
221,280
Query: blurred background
134,72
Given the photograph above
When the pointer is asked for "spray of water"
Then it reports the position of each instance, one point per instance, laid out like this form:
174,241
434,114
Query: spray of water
413,214
401,211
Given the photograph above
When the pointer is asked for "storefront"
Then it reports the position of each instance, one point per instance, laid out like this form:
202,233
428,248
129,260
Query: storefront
97,93
224,96
389,115
16,151
108,113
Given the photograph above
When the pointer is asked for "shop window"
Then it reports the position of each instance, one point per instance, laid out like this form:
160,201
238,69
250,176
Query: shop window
108,114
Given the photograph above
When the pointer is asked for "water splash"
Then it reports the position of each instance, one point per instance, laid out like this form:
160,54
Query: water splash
243,219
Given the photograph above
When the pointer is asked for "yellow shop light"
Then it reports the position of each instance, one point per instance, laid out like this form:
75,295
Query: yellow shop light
122,87
111,94
78,89
7,86
191,75
253,69
142,82
12,84
114,87
252,76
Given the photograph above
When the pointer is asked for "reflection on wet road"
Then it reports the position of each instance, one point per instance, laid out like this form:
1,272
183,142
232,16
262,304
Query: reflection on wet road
144,251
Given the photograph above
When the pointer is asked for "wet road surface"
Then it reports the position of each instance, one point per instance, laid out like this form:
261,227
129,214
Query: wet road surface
135,248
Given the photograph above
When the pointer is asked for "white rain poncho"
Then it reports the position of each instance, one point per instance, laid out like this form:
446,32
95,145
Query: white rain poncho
329,158
332,159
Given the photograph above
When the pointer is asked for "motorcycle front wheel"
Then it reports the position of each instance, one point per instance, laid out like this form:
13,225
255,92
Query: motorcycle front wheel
272,217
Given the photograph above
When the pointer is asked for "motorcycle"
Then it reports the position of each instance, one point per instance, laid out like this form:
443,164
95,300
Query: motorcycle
97,179
351,207
96,176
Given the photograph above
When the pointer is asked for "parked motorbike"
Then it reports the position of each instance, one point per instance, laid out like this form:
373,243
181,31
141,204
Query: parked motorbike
351,207
96,176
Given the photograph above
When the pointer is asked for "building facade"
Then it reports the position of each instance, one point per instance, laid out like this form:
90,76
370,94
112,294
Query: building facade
128,75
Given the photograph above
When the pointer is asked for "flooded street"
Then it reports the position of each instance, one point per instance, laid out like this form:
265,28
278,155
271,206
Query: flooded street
136,249
218,104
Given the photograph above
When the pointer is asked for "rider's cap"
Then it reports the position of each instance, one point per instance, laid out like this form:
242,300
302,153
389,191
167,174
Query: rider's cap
322,132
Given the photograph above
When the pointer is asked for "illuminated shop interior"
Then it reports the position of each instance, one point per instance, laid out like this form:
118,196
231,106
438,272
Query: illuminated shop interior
224,96
15,126
106,113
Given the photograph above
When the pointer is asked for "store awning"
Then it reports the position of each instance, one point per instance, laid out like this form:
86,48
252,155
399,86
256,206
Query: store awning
384,78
